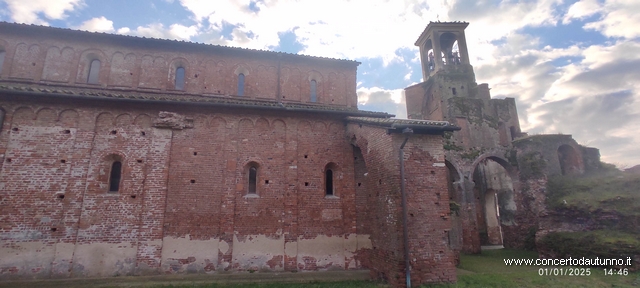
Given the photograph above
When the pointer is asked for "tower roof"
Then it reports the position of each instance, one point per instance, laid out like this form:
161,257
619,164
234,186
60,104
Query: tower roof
453,25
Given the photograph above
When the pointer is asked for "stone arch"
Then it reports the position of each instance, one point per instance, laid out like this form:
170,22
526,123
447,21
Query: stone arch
266,87
122,69
214,77
218,124
3,113
493,189
143,120
290,82
251,175
279,128
84,66
453,177
320,127
331,178
25,61
570,160
57,64
174,65
152,72
23,115
46,117
124,120
68,118
447,40
242,80
3,56
314,75
104,121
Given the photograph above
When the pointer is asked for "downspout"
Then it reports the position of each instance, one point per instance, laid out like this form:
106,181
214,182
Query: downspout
407,270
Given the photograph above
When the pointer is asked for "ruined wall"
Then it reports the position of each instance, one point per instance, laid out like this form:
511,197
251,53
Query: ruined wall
64,57
432,260
182,204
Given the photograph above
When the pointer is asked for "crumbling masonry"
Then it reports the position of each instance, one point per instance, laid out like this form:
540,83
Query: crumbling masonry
130,156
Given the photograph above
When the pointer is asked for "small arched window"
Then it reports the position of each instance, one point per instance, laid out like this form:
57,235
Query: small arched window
253,179
94,72
115,176
314,88
328,182
1,60
179,84
241,84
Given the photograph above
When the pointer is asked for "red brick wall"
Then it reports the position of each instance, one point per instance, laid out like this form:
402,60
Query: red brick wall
161,220
63,57
432,260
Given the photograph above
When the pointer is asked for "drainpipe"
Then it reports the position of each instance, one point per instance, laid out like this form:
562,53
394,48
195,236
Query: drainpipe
407,270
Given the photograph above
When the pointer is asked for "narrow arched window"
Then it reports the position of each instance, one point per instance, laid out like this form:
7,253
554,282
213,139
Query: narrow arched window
114,176
253,179
1,60
94,71
241,84
314,86
179,78
328,182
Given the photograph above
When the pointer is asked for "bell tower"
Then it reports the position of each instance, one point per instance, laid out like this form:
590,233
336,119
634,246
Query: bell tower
443,47
446,71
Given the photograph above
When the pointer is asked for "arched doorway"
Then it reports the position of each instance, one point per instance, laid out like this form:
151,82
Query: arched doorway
495,203
569,159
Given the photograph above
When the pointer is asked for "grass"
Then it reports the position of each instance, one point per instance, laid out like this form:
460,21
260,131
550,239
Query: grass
343,284
488,270
609,192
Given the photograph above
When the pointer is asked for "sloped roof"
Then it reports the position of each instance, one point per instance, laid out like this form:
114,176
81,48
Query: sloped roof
176,97
7,27
406,123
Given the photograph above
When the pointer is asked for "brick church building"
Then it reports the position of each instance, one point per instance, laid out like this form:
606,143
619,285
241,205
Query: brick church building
131,156
123,155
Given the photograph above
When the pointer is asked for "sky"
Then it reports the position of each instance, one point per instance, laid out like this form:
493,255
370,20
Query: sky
572,66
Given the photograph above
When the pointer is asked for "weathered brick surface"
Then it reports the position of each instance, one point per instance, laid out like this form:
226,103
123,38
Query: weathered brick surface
183,204
432,259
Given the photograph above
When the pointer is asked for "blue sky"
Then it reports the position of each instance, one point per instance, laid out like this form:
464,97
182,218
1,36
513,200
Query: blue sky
572,66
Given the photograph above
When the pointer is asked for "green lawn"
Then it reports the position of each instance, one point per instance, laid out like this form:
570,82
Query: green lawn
345,284
488,270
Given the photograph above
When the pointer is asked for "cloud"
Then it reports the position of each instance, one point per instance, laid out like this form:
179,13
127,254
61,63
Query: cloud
377,99
621,19
27,11
157,30
98,24
581,10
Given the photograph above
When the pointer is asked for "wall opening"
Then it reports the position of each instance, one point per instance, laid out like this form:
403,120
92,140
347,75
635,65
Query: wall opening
314,87
2,114
514,133
94,72
495,205
570,163
179,81
115,176
2,53
253,179
241,84
328,182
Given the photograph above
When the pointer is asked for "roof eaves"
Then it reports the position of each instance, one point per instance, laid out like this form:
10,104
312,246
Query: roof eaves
182,42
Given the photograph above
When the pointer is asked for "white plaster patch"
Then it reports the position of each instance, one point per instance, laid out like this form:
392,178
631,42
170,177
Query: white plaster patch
326,250
438,165
104,259
256,250
223,247
291,249
27,257
202,252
